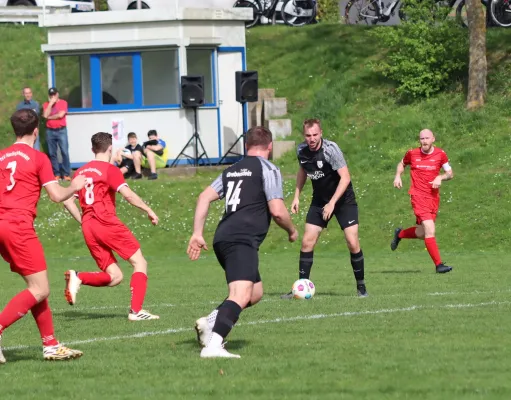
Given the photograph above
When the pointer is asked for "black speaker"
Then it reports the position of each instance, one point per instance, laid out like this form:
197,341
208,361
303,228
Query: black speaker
192,91
246,86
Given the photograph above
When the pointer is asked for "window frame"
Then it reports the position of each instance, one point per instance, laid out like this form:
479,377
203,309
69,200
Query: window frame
213,66
95,82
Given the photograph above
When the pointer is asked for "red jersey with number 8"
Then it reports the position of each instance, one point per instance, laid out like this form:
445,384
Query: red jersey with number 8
23,171
97,198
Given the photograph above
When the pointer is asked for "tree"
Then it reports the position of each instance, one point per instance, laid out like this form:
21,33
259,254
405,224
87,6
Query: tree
478,67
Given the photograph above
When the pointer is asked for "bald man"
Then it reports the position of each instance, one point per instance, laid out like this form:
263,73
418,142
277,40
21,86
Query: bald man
425,164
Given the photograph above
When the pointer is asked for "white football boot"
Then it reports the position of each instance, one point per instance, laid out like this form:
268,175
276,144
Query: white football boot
2,358
60,353
204,328
72,286
142,315
217,352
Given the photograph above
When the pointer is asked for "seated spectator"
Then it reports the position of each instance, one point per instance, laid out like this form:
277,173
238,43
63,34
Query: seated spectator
155,153
129,159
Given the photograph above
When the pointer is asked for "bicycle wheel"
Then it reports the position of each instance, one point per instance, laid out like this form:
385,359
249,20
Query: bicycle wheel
255,5
500,12
361,12
298,12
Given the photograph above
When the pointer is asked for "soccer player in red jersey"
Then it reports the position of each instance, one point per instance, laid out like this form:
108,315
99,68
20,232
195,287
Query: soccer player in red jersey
23,171
425,163
104,232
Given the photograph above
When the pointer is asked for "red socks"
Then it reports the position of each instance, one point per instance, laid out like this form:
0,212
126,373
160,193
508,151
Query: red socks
433,250
94,278
408,233
44,320
138,287
16,308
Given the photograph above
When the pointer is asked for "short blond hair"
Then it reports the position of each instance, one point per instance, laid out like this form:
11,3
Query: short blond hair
309,123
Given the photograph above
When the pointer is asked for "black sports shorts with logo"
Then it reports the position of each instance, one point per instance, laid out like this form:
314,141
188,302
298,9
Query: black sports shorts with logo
239,261
346,214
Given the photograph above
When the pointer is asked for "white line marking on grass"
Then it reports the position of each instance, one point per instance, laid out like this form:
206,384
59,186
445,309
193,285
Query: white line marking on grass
276,321
270,300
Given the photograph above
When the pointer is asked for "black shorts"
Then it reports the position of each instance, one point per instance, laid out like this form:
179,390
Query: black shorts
128,164
346,214
239,261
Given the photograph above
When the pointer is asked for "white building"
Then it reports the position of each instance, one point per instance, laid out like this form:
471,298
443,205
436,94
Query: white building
120,72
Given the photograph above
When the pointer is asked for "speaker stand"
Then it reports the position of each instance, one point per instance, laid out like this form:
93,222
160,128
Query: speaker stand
241,137
198,141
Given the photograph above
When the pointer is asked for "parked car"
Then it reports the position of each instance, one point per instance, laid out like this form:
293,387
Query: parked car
76,6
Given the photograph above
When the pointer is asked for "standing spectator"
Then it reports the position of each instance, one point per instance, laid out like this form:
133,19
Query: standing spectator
55,110
30,103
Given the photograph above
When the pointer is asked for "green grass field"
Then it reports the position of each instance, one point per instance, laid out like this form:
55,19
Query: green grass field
418,336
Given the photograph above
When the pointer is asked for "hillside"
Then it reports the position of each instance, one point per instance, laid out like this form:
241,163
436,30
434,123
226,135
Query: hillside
324,72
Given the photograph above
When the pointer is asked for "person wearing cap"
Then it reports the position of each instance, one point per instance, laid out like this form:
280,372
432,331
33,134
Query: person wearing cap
29,102
55,110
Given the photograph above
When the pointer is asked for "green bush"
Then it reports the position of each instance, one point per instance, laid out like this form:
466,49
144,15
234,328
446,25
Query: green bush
425,52
328,10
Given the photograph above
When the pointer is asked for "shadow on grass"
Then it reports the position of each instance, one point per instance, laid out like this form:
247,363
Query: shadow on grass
89,315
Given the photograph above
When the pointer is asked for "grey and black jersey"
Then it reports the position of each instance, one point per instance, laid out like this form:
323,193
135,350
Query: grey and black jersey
247,187
321,167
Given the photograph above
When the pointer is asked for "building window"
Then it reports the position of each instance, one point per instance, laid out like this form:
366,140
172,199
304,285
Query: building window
160,77
71,76
200,62
117,80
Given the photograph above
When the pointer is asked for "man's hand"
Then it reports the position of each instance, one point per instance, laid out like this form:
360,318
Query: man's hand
152,217
293,236
437,182
78,183
397,182
295,206
194,247
328,209
52,100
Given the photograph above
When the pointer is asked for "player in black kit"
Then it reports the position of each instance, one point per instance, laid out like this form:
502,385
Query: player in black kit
323,162
253,195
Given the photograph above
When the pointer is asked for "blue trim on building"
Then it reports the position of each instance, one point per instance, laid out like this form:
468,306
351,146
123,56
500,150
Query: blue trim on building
52,72
95,82
138,91
213,80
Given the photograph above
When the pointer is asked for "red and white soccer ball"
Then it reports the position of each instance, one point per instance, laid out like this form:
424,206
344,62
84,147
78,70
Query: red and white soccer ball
303,289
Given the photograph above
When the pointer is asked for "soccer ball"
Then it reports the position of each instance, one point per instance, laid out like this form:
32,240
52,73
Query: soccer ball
303,289
126,152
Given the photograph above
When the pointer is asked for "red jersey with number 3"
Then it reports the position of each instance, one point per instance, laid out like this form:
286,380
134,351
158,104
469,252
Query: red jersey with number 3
424,169
97,198
23,171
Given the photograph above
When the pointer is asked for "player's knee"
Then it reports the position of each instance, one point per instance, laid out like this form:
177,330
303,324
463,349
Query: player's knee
137,155
116,278
308,243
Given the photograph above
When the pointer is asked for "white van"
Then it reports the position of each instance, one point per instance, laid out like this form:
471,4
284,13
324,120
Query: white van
75,5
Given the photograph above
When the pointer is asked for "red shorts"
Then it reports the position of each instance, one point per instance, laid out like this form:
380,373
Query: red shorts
21,248
102,239
424,208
